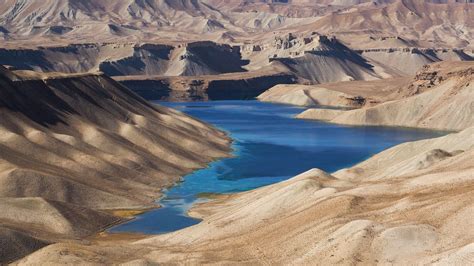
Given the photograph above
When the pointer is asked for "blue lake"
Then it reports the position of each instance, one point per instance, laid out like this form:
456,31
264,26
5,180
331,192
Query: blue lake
269,146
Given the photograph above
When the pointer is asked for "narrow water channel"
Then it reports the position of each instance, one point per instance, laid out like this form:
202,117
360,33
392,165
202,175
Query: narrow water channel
269,146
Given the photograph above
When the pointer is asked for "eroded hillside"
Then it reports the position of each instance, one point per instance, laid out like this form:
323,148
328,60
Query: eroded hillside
74,147
315,41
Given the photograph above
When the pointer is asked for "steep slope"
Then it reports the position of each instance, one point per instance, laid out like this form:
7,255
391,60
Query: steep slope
310,96
131,20
73,145
16,244
52,219
408,60
56,130
319,59
316,59
39,17
440,97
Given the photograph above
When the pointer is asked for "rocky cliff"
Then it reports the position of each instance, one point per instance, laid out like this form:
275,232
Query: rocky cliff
243,86
121,59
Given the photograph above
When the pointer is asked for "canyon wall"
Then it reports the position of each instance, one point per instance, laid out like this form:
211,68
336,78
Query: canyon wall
119,59
203,88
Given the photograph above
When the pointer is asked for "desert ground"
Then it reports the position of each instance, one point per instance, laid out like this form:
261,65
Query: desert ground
82,148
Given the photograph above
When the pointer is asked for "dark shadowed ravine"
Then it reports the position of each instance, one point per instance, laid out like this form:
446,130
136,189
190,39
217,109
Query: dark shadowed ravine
270,146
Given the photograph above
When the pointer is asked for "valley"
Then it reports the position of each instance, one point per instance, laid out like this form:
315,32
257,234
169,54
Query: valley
236,132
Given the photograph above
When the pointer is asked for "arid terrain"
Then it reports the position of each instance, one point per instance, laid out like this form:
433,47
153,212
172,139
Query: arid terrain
312,41
81,148
75,149
411,204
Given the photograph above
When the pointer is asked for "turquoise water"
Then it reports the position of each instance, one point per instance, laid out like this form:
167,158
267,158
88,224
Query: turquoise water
270,146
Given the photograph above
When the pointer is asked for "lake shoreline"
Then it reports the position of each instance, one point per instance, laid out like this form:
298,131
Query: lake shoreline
197,109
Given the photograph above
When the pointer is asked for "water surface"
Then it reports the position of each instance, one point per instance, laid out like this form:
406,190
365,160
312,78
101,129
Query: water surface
270,146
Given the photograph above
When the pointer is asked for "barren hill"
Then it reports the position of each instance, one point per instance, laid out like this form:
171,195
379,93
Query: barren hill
74,146
440,96
440,23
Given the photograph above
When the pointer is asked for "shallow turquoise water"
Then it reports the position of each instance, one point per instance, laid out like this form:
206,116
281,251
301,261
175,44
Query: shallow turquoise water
270,146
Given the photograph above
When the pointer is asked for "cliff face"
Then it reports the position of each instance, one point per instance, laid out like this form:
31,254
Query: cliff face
74,146
320,59
203,88
119,59
408,60
313,58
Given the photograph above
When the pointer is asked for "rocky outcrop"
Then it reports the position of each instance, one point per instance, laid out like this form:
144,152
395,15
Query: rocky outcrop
315,58
409,60
121,59
433,75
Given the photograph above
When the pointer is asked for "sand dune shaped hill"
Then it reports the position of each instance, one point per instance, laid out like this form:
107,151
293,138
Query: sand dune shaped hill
72,146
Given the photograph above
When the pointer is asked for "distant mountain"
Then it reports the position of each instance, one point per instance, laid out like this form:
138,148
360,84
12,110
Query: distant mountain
428,23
